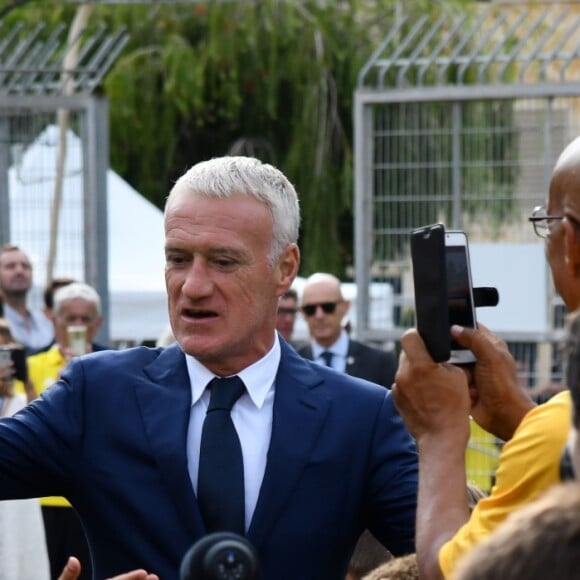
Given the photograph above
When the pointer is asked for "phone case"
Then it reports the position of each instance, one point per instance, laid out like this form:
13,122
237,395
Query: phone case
430,281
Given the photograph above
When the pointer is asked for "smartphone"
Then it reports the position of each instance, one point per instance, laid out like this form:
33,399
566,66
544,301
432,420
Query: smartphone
460,303
16,355
428,257
443,290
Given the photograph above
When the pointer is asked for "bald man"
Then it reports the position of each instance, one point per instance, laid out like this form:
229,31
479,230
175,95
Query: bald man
324,309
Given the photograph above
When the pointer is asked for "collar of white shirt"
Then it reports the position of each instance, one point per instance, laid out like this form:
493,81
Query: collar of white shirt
258,377
339,348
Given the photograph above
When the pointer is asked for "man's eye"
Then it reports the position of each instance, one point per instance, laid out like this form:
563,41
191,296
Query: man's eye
175,259
224,262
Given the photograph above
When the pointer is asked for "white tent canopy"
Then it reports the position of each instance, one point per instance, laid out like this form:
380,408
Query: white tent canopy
138,307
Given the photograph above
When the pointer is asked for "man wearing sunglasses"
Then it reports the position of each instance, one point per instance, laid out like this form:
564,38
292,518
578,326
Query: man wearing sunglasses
436,401
325,309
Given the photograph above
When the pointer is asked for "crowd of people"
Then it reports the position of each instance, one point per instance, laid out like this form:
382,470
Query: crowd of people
341,461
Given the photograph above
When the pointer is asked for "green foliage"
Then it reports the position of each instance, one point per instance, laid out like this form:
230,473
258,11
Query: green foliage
275,75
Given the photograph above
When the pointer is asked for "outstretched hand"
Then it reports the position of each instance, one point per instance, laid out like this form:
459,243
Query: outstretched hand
72,570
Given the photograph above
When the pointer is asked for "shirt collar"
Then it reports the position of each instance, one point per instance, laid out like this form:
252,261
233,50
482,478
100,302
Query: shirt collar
339,348
258,377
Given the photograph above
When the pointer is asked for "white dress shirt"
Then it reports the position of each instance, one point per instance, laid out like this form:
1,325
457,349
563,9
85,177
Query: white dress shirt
339,352
34,331
251,415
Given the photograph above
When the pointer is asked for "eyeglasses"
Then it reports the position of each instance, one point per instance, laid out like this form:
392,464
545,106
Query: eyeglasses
287,311
327,308
541,221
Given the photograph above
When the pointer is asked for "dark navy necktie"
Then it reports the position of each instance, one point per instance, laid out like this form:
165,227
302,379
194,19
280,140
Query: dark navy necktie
326,357
220,483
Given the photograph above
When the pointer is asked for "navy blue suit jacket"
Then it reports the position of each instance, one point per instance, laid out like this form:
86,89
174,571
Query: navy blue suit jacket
365,362
111,437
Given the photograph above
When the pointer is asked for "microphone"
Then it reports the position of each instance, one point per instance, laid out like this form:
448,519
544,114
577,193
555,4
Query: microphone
220,556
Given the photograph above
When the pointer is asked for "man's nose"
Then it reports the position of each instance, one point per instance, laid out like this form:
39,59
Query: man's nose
198,283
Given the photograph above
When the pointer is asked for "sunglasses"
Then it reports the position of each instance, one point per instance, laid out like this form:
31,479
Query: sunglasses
327,308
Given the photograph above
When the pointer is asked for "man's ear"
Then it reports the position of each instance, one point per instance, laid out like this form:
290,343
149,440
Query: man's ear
288,264
572,247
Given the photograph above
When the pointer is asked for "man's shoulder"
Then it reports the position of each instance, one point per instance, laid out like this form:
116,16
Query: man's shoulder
550,420
368,349
137,355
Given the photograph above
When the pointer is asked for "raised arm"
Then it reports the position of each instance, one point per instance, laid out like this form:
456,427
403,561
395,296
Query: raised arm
434,402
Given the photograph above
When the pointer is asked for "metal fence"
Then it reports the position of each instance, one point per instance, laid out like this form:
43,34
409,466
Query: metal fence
47,83
460,120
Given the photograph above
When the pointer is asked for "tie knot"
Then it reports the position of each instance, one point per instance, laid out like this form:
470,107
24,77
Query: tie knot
326,357
225,392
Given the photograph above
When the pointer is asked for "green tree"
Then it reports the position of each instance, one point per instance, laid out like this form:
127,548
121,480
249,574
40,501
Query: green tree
272,78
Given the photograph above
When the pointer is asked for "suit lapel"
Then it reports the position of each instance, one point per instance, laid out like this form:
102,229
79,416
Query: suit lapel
165,405
298,417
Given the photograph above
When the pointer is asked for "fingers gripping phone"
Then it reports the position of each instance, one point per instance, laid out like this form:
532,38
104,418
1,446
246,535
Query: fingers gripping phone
443,290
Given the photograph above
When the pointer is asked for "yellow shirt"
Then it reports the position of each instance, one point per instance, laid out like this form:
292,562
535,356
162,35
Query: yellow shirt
44,370
529,464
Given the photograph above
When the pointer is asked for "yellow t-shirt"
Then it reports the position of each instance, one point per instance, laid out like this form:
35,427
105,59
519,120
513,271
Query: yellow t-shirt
44,370
529,464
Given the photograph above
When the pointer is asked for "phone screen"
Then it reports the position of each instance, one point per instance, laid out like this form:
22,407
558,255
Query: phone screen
459,290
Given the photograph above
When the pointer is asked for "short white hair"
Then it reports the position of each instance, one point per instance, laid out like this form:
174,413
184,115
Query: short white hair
224,177
76,290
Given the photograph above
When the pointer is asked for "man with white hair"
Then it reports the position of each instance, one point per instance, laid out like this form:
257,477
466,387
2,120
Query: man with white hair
228,429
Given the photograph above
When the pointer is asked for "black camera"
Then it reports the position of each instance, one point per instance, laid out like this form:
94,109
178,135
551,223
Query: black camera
220,556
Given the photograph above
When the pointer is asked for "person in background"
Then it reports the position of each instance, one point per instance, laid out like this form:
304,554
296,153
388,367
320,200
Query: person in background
436,401
286,314
48,294
130,436
30,327
75,304
324,308
23,552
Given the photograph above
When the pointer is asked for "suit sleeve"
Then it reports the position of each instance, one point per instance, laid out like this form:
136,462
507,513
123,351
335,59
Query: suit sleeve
40,446
392,493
